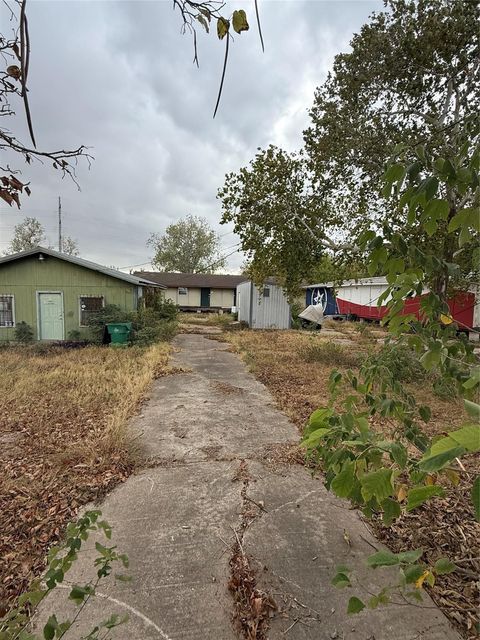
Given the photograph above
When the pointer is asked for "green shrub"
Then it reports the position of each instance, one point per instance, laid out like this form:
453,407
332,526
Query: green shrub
24,333
150,324
329,353
74,335
162,331
110,313
399,362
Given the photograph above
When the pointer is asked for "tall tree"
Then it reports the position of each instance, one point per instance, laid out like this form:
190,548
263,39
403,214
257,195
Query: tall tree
188,246
410,84
27,235
70,246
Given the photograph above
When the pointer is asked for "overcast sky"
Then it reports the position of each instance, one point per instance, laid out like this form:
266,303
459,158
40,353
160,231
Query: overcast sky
118,76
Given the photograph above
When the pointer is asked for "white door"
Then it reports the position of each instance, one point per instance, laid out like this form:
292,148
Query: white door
50,316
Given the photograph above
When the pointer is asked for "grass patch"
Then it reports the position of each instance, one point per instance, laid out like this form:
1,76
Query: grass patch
208,319
329,353
63,443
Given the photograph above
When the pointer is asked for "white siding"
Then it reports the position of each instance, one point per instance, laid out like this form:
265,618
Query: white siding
260,312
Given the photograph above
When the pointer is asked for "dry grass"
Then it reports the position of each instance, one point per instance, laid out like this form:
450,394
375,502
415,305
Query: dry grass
209,319
444,526
63,442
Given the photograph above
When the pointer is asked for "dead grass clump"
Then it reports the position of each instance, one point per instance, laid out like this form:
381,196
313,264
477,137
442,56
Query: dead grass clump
65,413
329,353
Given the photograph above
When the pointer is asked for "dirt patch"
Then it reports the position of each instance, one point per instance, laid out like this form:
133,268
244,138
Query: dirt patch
64,443
211,450
225,387
279,455
443,527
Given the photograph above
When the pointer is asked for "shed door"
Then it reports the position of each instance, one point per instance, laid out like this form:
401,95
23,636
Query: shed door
205,297
50,316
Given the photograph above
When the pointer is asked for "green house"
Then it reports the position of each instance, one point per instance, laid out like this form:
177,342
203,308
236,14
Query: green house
54,292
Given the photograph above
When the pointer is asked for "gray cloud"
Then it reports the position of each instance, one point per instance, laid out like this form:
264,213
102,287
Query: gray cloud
118,76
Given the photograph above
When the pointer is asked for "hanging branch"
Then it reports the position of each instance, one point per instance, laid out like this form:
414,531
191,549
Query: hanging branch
14,80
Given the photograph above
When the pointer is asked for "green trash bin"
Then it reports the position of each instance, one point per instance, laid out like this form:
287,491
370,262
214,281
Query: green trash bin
119,333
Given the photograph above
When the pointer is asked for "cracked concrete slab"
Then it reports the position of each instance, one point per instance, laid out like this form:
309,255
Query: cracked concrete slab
176,521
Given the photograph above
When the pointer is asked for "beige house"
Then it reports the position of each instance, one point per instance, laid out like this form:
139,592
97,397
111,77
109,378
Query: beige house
197,291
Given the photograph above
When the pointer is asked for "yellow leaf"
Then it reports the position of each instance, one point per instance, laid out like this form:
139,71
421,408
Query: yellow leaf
430,480
421,579
402,492
223,26
453,476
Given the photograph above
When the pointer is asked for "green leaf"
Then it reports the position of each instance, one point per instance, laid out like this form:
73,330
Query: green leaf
431,186
413,572
223,26
377,484
473,380
355,605
343,482
382,559
50,627
443,566
320,417
473,409
468,437
436,462
418,495
314,438
239,21
391,510
437,209
399,454
409,557
476,497
394,173
425,413
341,580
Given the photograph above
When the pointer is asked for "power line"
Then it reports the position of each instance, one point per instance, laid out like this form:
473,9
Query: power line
209,266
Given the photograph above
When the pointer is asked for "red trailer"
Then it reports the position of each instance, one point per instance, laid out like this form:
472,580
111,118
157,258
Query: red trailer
357,299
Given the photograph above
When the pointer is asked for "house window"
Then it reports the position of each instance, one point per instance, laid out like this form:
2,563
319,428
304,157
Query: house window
266,292
182,291
7,318
89,305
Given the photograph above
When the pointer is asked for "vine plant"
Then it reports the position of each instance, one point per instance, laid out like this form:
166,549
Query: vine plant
390,474
19,622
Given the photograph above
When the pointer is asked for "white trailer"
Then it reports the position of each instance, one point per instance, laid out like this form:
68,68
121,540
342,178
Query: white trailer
263,307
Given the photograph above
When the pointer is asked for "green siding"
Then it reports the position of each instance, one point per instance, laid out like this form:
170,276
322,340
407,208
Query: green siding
24,277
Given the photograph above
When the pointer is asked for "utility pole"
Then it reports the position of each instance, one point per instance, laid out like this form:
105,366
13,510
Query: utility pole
60,243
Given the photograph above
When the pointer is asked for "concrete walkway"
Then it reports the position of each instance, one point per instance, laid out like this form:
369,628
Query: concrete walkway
211,433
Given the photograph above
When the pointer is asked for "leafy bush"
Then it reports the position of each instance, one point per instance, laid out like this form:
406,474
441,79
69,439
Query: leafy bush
149,324
74,335
328,353
109,313
24,333
397,362
162,331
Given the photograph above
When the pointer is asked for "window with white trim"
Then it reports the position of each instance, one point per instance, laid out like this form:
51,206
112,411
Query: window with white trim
7,317
182,291
89,305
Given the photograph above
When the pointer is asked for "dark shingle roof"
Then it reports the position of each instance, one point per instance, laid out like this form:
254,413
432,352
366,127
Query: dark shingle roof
208,280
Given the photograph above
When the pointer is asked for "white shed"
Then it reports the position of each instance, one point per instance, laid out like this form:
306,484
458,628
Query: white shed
263,307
